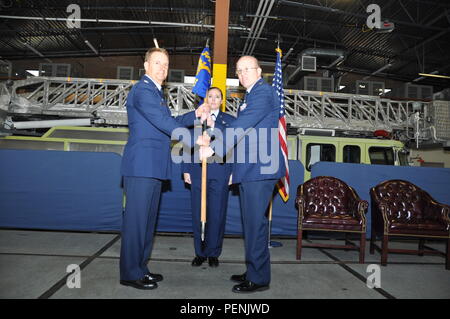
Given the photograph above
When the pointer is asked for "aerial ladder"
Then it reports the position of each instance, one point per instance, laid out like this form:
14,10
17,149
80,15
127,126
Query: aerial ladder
39,102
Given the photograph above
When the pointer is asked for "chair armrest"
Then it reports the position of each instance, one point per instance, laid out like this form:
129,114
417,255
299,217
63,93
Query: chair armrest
300,198
446,214
301,202
358,207
439,211
362,208
384,213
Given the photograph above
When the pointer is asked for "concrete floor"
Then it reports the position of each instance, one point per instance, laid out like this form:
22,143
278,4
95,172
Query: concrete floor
42,258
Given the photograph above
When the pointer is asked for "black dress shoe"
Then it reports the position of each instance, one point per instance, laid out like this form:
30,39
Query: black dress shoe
154,277
249,287
239,278
143,283
198,261
213,261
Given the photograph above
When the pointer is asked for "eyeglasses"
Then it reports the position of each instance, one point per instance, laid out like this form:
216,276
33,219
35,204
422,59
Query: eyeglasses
245,70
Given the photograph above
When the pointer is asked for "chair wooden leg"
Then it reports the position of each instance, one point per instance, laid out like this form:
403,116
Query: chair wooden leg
362,248
447,257
372,242
384,250
421,246
299,244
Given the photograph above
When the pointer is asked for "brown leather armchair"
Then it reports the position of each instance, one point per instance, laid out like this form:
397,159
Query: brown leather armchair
328,204
400,208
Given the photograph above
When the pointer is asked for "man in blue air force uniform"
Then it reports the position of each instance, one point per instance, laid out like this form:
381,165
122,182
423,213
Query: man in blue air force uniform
258,123
146,163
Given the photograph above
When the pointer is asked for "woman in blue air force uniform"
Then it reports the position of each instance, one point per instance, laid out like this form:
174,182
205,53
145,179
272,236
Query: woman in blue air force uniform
218,176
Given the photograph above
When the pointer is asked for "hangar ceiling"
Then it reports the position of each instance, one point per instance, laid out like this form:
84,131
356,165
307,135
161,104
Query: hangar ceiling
419,43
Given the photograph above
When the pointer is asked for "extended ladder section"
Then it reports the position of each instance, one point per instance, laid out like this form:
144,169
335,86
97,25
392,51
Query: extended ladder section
106,99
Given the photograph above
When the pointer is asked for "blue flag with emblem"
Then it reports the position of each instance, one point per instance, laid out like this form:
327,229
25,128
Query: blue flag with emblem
203,77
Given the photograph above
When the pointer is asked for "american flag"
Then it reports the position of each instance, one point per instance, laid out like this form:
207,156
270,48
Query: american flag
277,83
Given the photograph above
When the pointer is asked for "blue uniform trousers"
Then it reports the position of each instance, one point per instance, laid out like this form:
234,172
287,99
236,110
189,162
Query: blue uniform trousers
255,197
139,219
216,206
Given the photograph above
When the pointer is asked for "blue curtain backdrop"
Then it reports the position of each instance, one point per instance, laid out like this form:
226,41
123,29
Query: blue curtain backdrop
83,191
60,190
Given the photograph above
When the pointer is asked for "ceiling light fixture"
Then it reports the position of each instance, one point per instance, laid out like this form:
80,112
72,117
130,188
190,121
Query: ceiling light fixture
93,49
435,75
36,51
378,71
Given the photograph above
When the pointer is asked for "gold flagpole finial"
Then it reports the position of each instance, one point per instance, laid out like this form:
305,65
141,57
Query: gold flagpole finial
279,51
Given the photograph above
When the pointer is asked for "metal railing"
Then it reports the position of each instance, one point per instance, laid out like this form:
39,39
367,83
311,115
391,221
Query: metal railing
106,98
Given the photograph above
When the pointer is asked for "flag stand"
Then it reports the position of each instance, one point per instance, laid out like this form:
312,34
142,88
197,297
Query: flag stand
272,244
